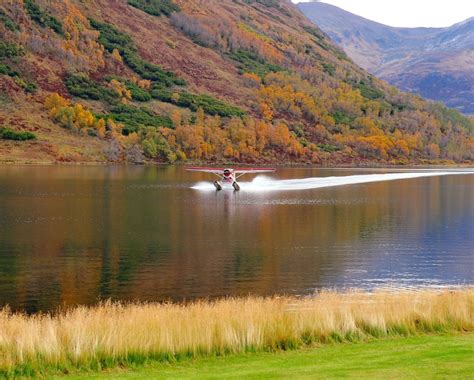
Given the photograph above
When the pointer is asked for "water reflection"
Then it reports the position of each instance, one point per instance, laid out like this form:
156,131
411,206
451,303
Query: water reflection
72,235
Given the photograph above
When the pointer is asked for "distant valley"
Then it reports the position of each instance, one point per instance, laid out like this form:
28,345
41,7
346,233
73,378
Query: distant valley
437,63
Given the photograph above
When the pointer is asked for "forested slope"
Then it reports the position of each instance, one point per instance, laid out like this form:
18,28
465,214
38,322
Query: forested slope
193,80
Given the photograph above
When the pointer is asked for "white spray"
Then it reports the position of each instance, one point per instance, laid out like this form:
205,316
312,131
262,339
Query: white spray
263,183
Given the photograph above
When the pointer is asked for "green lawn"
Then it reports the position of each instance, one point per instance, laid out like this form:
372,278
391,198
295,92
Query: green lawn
424,357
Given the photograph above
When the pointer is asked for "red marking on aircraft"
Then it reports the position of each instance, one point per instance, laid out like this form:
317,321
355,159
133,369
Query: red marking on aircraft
229,176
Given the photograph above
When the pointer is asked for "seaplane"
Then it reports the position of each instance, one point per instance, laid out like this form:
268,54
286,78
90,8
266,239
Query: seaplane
228,177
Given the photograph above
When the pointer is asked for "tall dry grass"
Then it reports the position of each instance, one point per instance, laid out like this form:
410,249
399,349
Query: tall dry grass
112,333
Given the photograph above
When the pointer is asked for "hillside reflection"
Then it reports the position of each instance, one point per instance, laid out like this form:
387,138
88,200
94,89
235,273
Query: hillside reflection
73,235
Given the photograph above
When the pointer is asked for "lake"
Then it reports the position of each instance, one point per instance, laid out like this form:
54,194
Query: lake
75,235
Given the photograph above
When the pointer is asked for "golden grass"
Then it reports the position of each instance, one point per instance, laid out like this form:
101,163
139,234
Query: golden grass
114,333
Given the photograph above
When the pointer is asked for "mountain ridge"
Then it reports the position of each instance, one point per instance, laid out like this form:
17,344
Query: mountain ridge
435,62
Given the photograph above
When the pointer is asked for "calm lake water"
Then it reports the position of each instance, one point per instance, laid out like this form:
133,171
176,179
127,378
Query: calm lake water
74,235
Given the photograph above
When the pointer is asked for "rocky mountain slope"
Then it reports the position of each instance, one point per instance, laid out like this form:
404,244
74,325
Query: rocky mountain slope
192,80
437,63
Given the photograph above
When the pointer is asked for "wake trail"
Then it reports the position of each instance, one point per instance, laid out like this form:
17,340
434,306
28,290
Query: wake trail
262,183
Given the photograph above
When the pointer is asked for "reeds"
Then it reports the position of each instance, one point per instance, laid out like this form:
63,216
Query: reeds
119,334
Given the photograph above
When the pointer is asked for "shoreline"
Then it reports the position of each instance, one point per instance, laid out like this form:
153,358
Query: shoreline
288,165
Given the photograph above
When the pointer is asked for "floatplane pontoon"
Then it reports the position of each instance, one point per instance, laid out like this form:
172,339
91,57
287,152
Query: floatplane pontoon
228,177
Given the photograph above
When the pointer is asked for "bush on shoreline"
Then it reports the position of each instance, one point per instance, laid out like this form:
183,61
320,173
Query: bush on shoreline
112,334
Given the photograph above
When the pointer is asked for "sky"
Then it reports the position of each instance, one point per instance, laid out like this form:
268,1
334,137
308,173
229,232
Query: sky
409,13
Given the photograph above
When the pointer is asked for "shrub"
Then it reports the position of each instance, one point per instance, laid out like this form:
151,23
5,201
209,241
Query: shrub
43,18
321,40
162,94
449,115
251,62
31,87
156,146
10,50
271,4
315,32
28,87
8,22
134,119
328,147
8,134
329,69
139,94
112,39
74,116
171,44
150,71
342,118
210,105
400,106
368,91
7,70
83,87
155,7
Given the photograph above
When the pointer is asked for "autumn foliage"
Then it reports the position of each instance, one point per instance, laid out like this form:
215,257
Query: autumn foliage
234,81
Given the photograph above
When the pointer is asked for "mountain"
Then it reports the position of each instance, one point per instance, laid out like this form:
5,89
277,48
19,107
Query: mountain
434,62
249,81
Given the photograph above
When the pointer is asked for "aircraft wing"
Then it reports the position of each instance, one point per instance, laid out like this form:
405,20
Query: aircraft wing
253,170
217,171
238,172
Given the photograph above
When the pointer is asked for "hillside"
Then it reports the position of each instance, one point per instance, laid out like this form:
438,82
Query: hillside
434,62
192,80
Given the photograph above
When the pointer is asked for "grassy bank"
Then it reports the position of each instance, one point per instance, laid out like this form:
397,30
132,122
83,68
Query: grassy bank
111,334
420,357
